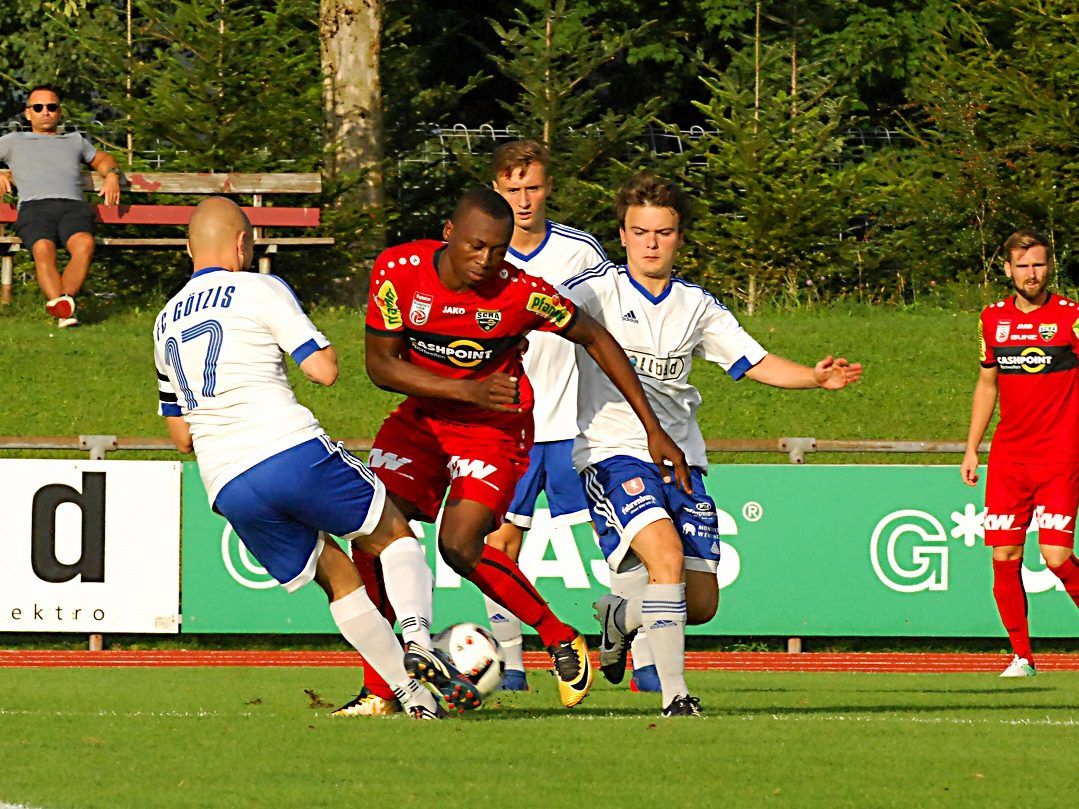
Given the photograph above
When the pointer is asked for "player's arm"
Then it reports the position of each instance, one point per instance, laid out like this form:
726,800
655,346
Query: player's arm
387,369
612,360
830,373
321,366
981,411
105,165
180,433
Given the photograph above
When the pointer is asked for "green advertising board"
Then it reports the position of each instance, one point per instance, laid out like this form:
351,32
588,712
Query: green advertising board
807,550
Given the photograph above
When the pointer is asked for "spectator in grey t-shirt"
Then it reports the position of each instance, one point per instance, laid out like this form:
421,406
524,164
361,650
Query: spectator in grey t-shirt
47,169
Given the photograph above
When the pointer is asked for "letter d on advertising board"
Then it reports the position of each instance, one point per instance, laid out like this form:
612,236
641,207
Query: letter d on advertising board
91,502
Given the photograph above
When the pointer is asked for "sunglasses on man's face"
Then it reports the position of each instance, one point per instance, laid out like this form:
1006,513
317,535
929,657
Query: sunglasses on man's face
43,107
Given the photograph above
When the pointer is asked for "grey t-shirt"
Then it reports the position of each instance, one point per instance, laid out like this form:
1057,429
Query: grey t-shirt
46,166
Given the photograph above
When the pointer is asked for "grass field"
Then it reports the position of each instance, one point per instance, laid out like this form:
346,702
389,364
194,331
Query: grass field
920,365
255,737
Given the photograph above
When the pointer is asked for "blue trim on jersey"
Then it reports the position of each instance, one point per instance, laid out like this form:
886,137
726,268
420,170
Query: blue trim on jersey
305,351
654,299
579,236
171,410
534,253
284,283
206,270
586,275
738,370
691,285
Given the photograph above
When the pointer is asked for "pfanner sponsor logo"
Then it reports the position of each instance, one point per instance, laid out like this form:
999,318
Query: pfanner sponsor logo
387,303
548,307
662,368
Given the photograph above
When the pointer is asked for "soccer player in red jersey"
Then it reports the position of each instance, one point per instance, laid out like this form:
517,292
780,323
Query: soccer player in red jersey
445,322
1029,347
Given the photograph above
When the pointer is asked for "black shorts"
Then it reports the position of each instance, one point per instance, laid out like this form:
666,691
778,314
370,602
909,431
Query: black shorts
54,219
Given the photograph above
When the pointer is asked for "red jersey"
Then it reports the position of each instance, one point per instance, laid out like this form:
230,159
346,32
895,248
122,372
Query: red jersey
1036,355
463,334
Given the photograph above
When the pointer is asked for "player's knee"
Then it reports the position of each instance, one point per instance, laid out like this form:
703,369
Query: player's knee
1055,555
702,609
462,557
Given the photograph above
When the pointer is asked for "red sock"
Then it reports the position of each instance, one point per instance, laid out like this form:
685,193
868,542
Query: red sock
499,578
1069,574
371,572
1011,601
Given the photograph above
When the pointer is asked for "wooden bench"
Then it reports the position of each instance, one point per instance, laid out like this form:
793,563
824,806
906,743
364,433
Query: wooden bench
257,186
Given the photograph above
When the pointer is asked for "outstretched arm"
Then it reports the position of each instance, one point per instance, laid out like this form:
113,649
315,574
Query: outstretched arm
981,411
388,371
612,360
829,373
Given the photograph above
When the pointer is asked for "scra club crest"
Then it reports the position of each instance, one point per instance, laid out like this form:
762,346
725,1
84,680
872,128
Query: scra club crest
487,319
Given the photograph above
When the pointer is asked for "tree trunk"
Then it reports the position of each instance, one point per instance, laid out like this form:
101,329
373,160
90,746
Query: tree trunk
350,35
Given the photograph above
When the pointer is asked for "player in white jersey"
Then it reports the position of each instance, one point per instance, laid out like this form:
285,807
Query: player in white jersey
267,465
660,539
555,253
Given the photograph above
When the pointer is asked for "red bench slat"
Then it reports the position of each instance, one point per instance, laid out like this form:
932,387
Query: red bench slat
181,215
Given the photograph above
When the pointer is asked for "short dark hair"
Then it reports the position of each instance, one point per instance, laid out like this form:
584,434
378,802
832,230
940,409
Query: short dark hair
1024,239
48,88
645,188
485,199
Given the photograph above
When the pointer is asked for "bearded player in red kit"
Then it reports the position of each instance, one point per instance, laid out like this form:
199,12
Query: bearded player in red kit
445,323
1029,345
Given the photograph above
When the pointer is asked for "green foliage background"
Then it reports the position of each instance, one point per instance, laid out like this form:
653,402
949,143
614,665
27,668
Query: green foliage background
798,200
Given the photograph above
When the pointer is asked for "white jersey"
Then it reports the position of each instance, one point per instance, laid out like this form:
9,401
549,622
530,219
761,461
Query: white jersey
550,362
661,335
219,346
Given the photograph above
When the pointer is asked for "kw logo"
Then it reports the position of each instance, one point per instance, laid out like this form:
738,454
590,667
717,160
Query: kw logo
389,460
1054,522
998,522
466,468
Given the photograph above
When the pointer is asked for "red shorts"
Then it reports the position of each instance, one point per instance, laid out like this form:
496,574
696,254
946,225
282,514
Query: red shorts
417,456
1040,497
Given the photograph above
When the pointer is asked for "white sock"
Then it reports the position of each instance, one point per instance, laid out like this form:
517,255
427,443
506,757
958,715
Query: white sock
409,588
506,627
642,650
630,585
370,635
664,611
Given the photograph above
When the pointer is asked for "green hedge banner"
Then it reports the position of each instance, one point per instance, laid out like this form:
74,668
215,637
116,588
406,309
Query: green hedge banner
807,550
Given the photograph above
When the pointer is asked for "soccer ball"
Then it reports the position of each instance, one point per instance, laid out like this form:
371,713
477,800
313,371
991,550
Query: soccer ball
475,653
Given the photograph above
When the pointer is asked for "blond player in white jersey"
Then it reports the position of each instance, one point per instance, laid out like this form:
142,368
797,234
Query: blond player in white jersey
659,540
555,253
267,465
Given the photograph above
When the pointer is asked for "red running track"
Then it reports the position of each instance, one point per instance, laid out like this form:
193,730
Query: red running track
695,661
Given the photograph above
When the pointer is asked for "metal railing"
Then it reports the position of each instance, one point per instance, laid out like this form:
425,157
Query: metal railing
794,447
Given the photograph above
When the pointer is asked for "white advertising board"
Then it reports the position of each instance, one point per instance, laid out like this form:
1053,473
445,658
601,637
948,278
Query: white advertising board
89,546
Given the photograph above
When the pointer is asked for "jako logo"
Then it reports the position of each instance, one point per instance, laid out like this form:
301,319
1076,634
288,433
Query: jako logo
388,460
463,467
928,566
